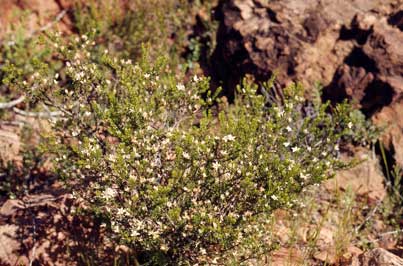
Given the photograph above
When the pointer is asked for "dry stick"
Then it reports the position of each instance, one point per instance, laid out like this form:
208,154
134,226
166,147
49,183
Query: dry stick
50,24
369,216
385,234
12,103
13,123
391,232
37,114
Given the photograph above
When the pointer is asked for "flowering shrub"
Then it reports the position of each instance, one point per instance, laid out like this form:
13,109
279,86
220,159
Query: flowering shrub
125,26
176,178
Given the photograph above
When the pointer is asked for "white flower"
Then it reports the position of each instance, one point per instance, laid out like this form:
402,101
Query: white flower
304,176
228,138
115,228
121,212
109,193
350,125
180,87
274,197
295,149
203,251
286,144
134,233
288,128
112,158
186,156
223,153
216,165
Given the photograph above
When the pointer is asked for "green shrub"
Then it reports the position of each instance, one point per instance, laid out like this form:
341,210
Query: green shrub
176,178
18,50
123,28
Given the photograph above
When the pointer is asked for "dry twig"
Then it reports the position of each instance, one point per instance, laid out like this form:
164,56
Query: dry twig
12,103
37,114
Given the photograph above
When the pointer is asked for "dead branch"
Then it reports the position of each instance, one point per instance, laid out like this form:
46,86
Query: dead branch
12,103
38,114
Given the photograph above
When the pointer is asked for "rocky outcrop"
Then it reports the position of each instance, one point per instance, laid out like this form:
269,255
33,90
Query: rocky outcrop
304,40
372,76
372,73
352,47
365,179
377,256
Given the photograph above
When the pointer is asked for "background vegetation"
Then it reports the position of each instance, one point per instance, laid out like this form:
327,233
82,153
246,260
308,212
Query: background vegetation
167,166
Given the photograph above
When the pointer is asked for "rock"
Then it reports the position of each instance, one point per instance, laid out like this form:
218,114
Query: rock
392,138
326,256
372,76
299,40
377,257
396,19
9,207
326,250
365,179
286,256
9,244
354,251
353,48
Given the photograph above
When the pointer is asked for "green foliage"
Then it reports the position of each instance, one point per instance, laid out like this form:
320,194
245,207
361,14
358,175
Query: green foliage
123,28
176,175
18,51
175,178
364,131
202,41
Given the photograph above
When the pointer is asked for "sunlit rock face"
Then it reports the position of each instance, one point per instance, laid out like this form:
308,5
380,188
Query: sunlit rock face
352,48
